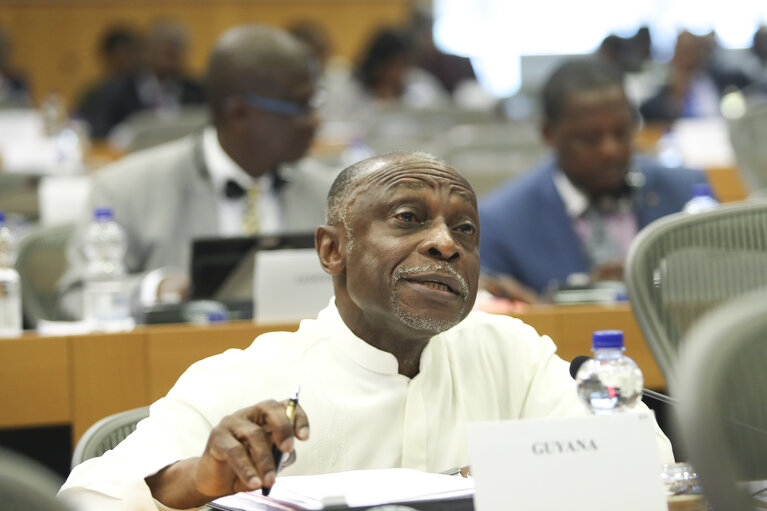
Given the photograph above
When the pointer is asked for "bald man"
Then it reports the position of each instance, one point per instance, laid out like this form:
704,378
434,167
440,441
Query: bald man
390,372
260,83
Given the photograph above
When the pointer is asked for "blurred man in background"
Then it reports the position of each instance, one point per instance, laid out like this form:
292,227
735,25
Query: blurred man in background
161,84
577,212
120,50
244,174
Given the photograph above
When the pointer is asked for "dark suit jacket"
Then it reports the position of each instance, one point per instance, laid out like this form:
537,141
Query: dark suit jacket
526,233
106,106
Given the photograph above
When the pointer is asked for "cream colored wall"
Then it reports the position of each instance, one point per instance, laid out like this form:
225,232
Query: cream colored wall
55,40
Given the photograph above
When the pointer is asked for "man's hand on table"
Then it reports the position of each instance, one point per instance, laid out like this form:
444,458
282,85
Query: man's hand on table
238,457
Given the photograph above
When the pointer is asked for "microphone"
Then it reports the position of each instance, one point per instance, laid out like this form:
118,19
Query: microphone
576,364
663,398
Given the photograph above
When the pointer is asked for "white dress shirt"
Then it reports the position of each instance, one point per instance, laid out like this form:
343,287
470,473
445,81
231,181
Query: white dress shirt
231,211
619,223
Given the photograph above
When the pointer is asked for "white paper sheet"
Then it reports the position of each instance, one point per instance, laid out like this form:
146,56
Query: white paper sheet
355,488
290,285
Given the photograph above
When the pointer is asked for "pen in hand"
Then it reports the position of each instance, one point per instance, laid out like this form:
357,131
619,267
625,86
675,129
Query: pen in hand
290,411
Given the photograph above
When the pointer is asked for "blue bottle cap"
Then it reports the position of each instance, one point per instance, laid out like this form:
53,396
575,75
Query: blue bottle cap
2,217
702,190
216,317
102,214
607,339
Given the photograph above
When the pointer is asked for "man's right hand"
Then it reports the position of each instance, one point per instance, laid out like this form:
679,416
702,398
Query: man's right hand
238,457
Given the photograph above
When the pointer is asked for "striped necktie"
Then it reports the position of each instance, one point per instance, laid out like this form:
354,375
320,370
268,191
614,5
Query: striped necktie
251,221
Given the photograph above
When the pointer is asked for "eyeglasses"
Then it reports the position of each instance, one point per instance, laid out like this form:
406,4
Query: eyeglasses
284,106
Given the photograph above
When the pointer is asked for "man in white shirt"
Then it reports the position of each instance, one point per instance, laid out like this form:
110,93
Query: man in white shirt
390,372
260,89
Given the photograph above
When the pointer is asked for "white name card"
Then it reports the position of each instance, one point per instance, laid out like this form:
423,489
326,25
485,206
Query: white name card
594,463
290,285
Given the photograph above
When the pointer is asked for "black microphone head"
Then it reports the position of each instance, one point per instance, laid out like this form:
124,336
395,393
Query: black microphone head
576,364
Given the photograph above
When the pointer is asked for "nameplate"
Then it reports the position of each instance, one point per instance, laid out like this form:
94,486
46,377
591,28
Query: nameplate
290,285
594,463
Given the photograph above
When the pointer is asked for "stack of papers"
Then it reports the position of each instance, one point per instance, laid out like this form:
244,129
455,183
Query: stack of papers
359,488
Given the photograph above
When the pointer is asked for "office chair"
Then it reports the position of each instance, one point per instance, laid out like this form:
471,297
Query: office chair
107,433
26,485
146,128
41,261
722,412
680,266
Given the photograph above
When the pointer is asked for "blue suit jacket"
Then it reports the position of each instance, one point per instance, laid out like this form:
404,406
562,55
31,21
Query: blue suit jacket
526,233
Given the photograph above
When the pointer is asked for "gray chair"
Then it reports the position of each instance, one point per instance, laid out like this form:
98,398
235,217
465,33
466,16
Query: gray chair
682,265
107,433
722,389
25,485
41,262
145,129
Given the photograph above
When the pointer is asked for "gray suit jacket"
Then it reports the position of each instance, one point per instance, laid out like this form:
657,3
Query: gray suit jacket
163,198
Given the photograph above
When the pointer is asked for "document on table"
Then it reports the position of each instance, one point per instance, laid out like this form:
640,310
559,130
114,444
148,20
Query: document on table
357,488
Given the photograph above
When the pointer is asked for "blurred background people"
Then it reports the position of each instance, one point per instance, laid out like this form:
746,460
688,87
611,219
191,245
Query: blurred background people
695,81
385,75
161,84
14,87
244,174
755,61
119,51
452,71
576,213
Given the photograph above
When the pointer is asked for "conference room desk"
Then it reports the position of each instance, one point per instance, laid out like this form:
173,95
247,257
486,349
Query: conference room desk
78,379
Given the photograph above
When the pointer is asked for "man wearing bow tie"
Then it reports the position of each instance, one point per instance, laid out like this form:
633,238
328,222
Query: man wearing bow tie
243,174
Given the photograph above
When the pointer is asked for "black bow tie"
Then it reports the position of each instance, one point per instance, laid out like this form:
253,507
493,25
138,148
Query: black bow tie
233,190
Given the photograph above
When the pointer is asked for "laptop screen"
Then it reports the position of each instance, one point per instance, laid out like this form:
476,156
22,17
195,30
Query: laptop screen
220,265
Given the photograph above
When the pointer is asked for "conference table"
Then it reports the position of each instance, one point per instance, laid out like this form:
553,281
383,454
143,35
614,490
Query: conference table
78,379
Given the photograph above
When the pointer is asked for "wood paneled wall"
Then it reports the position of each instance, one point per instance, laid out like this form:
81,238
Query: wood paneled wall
55,41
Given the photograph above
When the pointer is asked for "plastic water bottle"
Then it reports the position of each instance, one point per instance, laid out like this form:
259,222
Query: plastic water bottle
10,287
106,299
702,199
610,382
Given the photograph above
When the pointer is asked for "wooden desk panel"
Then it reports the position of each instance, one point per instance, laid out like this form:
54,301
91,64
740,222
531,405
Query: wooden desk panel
80,379
173,348
108,375
571,327
34,381
727,184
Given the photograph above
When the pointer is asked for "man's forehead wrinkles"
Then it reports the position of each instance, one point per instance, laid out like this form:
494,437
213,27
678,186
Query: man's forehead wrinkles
416,170
422,180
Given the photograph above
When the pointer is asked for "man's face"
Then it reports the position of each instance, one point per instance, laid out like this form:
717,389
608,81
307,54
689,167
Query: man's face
413,261
284,137
592,139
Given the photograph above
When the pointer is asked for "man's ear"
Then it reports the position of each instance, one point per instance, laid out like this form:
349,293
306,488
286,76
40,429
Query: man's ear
329,241
548,132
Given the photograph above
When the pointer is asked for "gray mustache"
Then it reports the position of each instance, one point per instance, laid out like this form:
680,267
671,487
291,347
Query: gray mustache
401,273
